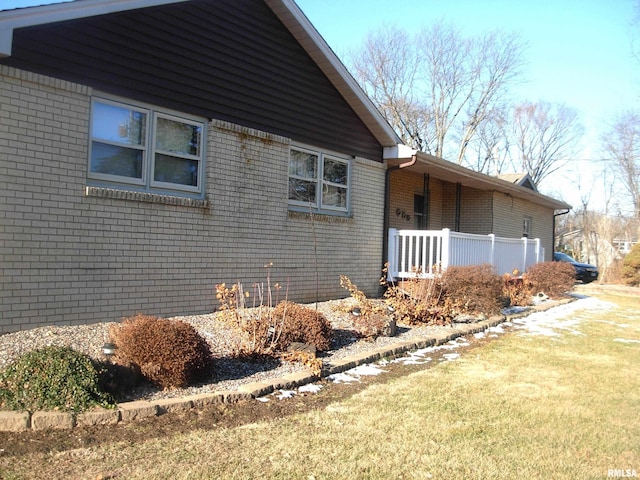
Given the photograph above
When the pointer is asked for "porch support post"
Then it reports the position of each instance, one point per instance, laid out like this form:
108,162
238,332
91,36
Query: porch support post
492,255
458,205
446,249
538,251
425,201
392,257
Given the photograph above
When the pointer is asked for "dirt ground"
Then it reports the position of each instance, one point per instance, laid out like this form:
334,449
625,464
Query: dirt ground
212,417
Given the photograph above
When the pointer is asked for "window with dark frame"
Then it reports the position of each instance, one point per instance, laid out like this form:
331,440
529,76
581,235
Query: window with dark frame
419,217
526,226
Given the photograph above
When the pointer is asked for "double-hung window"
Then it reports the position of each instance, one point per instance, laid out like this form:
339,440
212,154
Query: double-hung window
319,181
145,148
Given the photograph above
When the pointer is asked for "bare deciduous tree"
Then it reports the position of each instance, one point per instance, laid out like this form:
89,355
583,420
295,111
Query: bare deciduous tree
544,137
489,151
387,67
622,143
439,87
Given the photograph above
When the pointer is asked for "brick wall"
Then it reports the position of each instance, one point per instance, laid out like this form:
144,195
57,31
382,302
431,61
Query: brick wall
476,212
404,185
509,213
72,254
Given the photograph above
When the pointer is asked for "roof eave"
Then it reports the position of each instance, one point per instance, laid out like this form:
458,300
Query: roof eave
454,173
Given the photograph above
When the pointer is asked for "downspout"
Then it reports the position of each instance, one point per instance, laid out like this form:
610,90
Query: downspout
553,230
387,201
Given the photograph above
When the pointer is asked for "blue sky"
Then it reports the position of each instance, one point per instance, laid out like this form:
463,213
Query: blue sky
579,53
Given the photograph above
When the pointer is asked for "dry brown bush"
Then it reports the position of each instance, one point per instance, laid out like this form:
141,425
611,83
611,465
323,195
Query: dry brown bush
417,301
302,324
169,353
552,278
372,317
516,291
270,331
471,289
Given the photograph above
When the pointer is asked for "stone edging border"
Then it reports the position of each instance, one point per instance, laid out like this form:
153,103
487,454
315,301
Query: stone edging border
13,421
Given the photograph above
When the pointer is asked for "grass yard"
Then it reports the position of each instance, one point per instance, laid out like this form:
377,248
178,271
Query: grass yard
561,405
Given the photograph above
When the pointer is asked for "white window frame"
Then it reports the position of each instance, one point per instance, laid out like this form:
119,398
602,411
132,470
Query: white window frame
146,182
318,206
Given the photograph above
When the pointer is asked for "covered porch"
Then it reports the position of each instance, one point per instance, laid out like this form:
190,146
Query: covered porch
425,253
439,215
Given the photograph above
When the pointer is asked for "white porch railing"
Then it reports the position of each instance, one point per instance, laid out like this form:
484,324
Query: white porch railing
431,252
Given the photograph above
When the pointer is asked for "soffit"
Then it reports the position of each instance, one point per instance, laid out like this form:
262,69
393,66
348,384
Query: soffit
453,173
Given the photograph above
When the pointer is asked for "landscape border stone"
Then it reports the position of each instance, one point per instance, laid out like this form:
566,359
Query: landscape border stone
11,421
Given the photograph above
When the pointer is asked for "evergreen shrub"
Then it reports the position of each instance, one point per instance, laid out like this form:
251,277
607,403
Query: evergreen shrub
53,378
631,267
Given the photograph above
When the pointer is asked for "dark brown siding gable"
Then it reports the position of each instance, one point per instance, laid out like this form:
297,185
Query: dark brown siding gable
227,59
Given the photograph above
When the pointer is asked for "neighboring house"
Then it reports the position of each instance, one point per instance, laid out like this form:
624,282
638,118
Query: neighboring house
151,149
624,245
522,179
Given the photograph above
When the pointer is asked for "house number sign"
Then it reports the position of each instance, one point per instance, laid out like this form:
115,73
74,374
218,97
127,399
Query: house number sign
402,214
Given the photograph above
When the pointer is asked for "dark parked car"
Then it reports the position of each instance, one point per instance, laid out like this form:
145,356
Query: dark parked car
585,272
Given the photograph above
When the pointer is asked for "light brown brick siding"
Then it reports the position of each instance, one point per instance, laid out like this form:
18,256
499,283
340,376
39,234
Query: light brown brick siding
71,255
509,213
404,185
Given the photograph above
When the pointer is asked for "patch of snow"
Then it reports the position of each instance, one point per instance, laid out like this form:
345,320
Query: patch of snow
262,399
310,388
415,361
453,344
342,378
424,351
479,335
451,356
625,340
559,318
354,374
364,370
496,329
285,394
413,358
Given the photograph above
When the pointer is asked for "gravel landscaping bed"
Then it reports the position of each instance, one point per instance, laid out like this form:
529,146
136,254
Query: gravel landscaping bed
230,372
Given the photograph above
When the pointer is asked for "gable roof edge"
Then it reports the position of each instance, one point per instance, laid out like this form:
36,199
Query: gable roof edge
317,48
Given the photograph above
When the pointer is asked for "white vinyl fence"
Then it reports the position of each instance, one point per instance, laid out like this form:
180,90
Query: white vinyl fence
430,252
